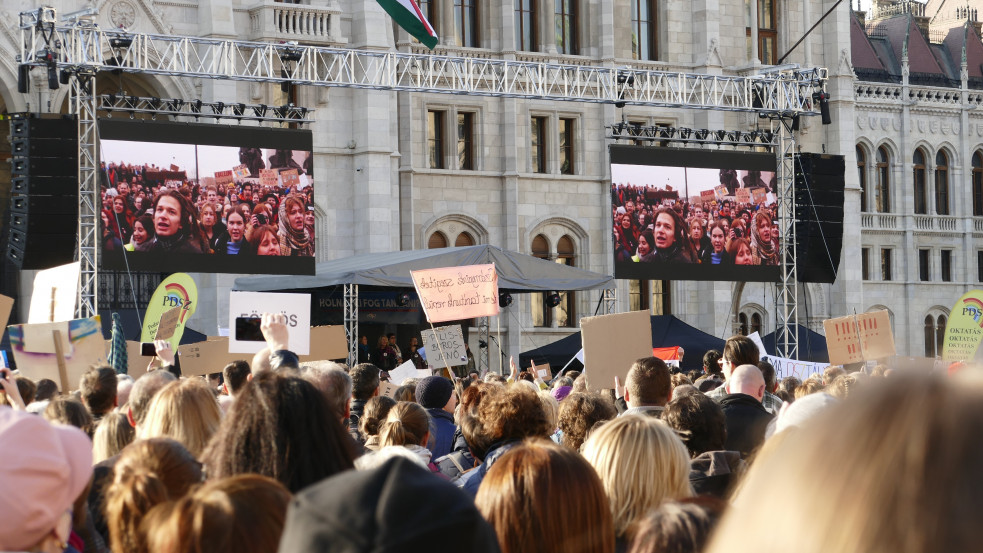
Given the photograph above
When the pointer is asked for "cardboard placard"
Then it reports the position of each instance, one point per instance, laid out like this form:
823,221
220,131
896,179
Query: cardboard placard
743,196
451,345
542,371
859,337
721,192
760,195
296,307
241,171
210,356
792,367
695,200
387,389
707,195
327,342
223,178
612,343
86,347
269,177
55,294
290,177
177,290
964,329
173,183
456,293
6,306
175,168
402,372
168,323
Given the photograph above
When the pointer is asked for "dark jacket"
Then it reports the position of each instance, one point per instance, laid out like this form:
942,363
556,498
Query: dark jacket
747,421
442,429
715,472
470,481
675,253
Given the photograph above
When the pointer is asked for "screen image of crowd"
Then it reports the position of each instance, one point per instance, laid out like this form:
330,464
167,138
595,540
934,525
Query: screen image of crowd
732,222
263,205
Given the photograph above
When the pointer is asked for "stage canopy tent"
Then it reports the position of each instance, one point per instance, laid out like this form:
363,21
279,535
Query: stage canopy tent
812,345
516,272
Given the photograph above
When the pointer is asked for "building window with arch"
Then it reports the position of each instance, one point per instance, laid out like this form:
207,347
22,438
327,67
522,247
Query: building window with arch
643,30
566,254
978,184
463,240
941,183
565,21
542,316
437,240
755,323
742,326
883,191
466,23
918,182
435,139
767,30
862,173
934,335
525,25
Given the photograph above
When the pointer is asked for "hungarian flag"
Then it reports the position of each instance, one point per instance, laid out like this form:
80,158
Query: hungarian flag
407,14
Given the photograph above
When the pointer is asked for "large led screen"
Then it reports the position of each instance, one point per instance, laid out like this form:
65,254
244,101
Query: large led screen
205,198
693,214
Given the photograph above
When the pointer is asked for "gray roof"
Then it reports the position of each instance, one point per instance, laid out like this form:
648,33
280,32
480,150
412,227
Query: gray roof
516,272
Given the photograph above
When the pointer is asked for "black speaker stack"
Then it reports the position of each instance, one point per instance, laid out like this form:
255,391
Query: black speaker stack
819,184
44,191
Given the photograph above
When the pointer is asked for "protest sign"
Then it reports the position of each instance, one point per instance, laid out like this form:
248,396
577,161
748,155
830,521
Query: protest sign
792,367
387,389
859,337
707,195
612,343
175,168
760,195
296,308
136,364
85,347
269,177
446,346
290,177
223,177
721,192
173,183
756,338
210,356
743,196
55,294
241,171
207,181
327,342
402,372
305,181
695,200
964,330
177,290
168,323
455,293
6,306
542,371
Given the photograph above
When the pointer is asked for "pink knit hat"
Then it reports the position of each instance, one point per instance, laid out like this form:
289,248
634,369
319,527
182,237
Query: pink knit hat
44,468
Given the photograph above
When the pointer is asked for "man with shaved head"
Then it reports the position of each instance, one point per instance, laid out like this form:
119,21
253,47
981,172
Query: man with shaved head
747,419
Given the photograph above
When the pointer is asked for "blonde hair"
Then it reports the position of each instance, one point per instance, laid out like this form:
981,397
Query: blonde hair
112,434
186,411
406,424
642,463
911,447
551,407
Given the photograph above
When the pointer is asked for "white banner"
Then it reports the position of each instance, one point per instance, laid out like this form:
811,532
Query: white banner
296,307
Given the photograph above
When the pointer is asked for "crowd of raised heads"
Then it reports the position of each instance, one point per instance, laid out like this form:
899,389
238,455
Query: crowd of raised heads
270,454
144,209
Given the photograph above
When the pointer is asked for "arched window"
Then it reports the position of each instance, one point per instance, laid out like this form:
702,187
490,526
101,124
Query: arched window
883,192
464,239
541,315
742,322
918,166
437,240
978,184
755,323
934,335
941,183
862,171
566,254
940,325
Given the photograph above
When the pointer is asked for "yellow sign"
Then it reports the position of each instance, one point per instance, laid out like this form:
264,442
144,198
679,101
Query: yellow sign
964,330
177,290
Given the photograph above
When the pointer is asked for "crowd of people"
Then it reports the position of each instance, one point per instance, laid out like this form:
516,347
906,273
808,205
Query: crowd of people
274,455
144,211
651,228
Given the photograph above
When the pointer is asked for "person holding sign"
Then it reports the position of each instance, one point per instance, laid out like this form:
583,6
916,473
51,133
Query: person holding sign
175,225
295,240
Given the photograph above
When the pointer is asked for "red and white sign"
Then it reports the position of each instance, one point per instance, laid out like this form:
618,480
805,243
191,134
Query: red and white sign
456,293
859,337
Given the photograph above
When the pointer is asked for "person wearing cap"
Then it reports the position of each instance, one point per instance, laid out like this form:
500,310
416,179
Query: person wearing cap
46,467
436,395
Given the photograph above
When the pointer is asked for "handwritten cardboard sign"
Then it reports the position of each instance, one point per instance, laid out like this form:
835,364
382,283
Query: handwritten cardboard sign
612,343
743,196
542,371
760,195
6,306
448,340
241,171
455,293
168,323
290,177
224,177
296,307
792,367
695,200
269,177
212,355
86,346
136,364
55,294
721,192
859,337
707,195
387,389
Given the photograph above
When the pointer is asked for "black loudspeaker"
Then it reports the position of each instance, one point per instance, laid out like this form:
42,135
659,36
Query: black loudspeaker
44,191
819,191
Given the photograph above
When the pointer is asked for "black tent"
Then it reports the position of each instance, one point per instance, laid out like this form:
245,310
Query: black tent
667,331
812,345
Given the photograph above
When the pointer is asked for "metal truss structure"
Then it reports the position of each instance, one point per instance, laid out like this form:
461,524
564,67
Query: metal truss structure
351,322
787,308
80,50
119,103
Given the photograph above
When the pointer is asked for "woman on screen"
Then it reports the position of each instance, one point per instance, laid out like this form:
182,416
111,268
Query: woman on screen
211,227
644,252
294,238
761,243
625,240
262,240
718,243
122,219
671,243
740,251
698,240
175,225
143,230
234,238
